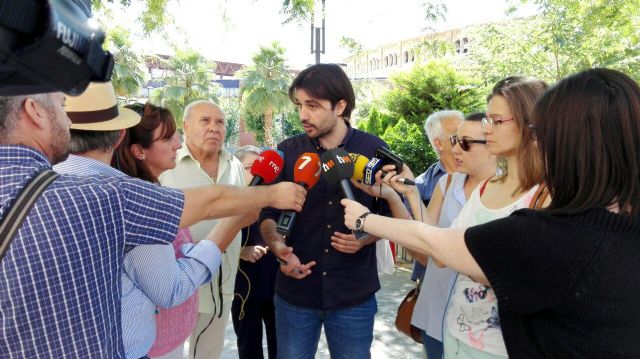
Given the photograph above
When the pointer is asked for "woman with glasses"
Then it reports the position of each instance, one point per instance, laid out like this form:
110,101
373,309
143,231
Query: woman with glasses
565,277
472,322
159,277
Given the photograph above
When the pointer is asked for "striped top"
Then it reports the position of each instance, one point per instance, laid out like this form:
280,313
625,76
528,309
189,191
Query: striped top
152,276
60,279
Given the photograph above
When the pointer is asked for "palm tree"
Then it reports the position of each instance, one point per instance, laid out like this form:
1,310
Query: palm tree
264,89
128,70
190,78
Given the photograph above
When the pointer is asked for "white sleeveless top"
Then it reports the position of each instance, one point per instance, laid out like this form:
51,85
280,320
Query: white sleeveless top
472,316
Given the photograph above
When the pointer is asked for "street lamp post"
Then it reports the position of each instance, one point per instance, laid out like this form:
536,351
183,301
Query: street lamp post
318,36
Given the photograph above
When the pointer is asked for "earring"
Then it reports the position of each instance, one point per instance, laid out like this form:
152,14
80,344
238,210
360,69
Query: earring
142,157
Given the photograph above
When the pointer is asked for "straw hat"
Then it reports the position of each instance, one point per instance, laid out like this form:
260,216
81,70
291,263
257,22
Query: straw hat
96,109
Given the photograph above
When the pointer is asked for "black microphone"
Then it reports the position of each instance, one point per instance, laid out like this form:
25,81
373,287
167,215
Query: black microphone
337,168
375,165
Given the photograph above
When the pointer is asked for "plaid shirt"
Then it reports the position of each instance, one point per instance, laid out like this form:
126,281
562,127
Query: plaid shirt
60,279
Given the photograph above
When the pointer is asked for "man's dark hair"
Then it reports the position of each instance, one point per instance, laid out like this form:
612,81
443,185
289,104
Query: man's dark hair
588,128
83,141
326,82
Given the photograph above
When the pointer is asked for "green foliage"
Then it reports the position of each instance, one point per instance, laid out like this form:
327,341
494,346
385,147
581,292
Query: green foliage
297,10
377,122
432,87
408,141
255,123
129,73
434,11
291,124
230,106
567,36
153,17
190,78
352,45
264,90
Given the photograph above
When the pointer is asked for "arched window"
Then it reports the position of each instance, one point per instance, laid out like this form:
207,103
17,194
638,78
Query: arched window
406,57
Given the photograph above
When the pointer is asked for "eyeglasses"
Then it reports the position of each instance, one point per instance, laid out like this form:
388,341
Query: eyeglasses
490,122
465,143
246,168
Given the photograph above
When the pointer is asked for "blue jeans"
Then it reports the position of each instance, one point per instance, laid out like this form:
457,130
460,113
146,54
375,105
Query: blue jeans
349,331
433,347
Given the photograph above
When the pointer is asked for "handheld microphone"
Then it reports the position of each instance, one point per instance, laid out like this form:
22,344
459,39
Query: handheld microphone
306,173
359,163
266,167
374,166
337,167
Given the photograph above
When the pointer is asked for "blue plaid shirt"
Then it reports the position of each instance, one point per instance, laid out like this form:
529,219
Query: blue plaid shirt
60,279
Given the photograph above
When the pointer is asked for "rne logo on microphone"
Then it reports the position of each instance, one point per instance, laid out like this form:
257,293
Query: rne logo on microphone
275,167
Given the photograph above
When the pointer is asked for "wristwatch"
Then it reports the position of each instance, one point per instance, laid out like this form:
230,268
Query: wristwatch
360,221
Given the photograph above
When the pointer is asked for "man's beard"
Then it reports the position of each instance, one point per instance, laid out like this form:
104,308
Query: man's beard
59,143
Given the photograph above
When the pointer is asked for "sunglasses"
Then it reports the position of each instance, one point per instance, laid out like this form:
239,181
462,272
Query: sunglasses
465,143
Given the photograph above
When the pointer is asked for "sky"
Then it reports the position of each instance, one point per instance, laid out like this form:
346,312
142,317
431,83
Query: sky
234,30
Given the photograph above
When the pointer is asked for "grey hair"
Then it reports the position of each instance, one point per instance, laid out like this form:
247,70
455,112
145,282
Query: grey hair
191,105
243,151
433,124
10,107
84,141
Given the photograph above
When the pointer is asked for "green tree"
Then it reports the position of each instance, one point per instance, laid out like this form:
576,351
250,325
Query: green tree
129,73
409,142
153,17
565,37
432,87
264,89
190,78
230,106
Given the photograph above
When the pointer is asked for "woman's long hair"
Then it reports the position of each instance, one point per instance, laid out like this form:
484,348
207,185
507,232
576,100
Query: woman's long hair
142,134
589,137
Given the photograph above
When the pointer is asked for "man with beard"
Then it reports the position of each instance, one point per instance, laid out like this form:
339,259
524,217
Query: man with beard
328,277
60,279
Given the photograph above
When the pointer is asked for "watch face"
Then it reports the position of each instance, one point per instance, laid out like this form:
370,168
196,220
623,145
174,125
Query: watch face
358,224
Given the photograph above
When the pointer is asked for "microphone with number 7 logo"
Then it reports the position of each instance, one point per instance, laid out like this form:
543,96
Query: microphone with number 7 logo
306,173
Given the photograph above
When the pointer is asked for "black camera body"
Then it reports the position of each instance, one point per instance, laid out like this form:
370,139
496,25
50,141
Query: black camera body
50,45
387,157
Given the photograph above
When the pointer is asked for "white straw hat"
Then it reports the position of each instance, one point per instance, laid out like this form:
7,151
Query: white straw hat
96,109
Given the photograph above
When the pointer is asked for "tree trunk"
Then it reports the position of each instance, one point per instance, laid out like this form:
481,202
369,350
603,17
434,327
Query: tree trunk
268,127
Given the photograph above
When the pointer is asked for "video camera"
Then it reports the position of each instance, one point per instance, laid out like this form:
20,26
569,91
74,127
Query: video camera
50,45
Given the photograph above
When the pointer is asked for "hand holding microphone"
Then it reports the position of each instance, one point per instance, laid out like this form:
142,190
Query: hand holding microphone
306,174
284,195
338,168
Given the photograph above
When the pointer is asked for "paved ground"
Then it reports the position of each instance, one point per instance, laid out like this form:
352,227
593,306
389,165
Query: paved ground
387,341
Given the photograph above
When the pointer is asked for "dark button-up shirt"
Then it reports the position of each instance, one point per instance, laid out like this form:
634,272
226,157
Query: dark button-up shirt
338,280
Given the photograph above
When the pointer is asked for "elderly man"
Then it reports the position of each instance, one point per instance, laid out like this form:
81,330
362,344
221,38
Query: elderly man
438,127
201,162
60,277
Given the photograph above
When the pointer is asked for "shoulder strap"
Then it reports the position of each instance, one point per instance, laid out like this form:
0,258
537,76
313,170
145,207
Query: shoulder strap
484,185
23,204
539,196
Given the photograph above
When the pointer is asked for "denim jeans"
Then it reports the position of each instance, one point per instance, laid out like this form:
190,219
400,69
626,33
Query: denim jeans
433,347
349,331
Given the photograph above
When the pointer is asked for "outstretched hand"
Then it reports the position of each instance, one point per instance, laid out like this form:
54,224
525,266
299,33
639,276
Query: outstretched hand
290,264
287,195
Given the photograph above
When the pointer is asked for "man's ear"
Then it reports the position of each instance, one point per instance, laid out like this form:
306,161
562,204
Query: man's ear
339,107
37,114
438,145
120,137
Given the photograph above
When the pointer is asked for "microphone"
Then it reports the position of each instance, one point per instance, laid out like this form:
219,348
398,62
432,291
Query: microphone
374,166
337,168
359,163
305,173
266,167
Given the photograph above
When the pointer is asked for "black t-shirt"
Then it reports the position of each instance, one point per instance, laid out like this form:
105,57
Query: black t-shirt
567,286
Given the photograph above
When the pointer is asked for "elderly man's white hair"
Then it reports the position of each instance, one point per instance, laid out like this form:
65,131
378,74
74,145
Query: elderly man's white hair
191,105
433,124
243,151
